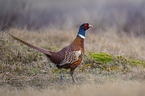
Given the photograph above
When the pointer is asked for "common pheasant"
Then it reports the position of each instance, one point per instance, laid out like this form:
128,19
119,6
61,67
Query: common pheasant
70,56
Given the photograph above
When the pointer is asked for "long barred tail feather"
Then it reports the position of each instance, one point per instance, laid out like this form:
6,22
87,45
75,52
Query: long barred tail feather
30,45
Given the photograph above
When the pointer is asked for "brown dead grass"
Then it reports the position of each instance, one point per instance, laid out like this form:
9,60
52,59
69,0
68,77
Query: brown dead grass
116,88
90,82
109,41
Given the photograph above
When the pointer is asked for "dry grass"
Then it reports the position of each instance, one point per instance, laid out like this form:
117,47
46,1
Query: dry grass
112,43
119,88
108,41
118,30
35,76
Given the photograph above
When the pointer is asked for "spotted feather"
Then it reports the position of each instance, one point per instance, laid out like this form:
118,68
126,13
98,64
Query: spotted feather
71,56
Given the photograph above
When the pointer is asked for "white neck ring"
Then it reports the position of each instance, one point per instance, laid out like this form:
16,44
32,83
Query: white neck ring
81,36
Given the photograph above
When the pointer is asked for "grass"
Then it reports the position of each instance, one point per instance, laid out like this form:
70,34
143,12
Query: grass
119,88
112,63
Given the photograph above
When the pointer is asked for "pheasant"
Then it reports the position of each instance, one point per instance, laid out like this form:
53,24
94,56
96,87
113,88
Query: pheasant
70,56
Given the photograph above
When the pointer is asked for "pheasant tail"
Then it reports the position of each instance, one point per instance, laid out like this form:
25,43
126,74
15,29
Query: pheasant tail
30,45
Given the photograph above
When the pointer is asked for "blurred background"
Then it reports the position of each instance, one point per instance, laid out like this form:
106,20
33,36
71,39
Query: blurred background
118,34
121,15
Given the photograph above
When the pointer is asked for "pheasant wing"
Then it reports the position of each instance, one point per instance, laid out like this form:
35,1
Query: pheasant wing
71,57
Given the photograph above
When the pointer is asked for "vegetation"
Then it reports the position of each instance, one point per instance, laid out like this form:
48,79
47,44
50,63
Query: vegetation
114,58
22,66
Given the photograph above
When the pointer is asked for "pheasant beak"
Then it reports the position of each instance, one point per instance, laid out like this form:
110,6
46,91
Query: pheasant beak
90,25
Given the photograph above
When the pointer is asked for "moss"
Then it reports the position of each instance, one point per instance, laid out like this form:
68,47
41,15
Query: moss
101,57
88,65
82,69
108,62
135,62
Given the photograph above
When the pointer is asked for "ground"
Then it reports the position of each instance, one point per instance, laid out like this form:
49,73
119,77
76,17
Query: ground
118,71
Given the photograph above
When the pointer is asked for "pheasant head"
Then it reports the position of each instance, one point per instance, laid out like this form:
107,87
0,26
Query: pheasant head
82,29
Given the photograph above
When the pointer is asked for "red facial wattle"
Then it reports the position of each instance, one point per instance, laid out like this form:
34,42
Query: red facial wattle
86,26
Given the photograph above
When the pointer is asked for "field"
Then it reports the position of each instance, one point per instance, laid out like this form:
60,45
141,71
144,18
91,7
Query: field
114,62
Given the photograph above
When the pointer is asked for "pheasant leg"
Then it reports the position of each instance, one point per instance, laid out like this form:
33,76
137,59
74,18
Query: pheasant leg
71,73
61,75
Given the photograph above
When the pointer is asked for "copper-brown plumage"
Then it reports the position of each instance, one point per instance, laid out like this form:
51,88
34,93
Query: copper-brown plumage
70,56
